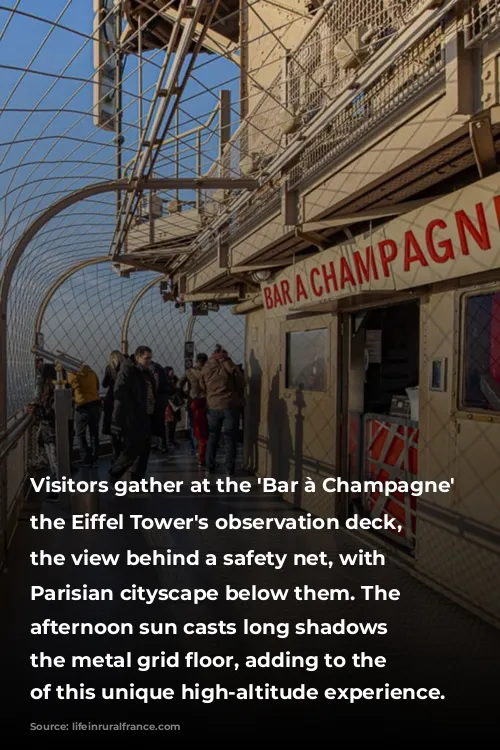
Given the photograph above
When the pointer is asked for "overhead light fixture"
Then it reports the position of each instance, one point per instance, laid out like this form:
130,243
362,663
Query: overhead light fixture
263,275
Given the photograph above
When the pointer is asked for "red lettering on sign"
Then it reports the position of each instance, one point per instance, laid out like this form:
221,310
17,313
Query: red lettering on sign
346,276
268,298
301,290
365,269
496,202
387,258
317,290
278,302
285,291
481,235
413,251
446,245
329,274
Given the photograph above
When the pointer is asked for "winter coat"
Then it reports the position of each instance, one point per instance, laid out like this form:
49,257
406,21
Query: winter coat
85,384
223,383
130,400
158,422
109,380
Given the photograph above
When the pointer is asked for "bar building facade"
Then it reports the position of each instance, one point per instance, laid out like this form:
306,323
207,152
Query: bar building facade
367,266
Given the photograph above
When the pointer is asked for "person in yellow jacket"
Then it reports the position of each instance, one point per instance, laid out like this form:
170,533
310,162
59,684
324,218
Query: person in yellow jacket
85,385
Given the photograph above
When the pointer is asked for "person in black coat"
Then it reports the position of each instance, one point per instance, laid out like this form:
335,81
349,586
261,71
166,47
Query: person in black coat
108,382
161,404
133,414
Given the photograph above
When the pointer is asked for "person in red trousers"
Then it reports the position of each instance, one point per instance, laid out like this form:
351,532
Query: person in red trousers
197,407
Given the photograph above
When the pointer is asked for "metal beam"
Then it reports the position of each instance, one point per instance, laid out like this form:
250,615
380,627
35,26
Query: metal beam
261,266
213,41
254,303
211,297
195,183
133,305
224,125
313,237
160,117
150,254
378,212
142,265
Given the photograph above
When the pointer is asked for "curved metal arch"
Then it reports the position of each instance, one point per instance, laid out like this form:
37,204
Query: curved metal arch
60,281
133,305
110,186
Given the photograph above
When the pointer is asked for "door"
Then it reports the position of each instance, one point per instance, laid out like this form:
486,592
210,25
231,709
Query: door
308,394
351,369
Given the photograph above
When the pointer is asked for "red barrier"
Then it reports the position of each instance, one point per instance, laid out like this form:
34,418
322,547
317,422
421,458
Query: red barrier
391,454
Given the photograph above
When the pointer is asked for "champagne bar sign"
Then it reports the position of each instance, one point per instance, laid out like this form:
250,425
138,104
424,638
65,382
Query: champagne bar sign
448,238
105,64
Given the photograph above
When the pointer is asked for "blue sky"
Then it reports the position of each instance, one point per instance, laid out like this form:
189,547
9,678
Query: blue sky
50,146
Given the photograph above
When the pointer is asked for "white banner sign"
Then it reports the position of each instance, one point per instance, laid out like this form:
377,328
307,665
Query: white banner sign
454,236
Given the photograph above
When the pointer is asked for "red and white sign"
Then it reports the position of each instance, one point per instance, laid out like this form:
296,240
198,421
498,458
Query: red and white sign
455,236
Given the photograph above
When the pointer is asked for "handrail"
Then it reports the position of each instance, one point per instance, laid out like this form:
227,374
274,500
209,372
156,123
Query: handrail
13,434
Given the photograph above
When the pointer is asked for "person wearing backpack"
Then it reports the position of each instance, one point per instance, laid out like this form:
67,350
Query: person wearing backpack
224,386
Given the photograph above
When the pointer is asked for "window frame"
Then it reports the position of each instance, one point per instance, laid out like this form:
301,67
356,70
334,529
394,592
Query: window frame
317,326
461,410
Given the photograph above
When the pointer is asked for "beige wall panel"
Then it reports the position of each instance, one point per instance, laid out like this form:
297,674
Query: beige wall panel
271,231
469,569
257,401
201,277
275,413
437,428
460,551
478,472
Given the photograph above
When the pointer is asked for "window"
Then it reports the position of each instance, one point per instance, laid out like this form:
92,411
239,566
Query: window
481,353
306,357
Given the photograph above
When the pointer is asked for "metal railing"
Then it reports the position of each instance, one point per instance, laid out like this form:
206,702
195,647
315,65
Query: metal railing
481,20
409,75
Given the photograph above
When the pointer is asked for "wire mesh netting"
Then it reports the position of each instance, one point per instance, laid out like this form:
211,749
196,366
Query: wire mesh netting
50,147
222,328
55,139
